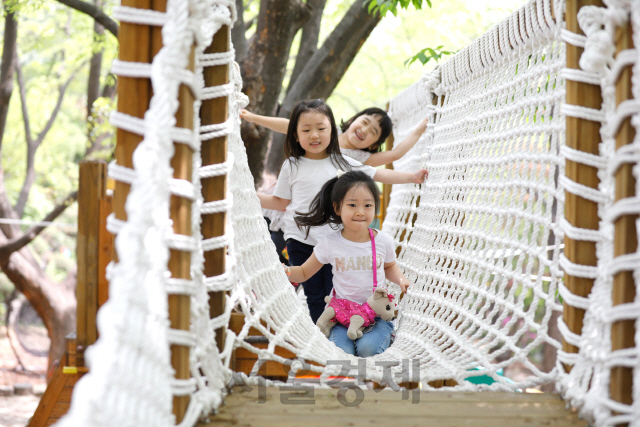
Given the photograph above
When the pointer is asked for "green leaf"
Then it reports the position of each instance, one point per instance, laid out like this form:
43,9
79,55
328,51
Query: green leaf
384,6
426,55
410,61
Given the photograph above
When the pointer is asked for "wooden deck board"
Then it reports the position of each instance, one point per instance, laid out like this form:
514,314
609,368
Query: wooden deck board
386,408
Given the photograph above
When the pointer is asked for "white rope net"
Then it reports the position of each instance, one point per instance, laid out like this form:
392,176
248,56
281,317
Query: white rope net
480,239
587,386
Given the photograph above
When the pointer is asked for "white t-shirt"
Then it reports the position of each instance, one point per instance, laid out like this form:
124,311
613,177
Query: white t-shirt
276,217
359,155
300,184
352,262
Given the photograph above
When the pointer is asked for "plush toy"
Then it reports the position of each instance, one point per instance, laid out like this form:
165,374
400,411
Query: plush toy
356,316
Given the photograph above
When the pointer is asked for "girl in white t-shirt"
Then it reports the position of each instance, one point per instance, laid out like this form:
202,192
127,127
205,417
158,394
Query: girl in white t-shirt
313,152
361,139
362,135
351,201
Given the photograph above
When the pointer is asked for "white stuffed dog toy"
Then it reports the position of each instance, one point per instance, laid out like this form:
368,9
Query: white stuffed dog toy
356,316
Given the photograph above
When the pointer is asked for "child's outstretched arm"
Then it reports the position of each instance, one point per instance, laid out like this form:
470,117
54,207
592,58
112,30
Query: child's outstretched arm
269,201
390,176
385,157
276,124
393,273
304,272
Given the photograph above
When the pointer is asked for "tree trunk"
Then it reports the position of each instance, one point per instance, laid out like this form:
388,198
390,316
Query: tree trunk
55,303
308,39
7,71
324,69
93,84
7,68
237,35
29,179
264,69
93,87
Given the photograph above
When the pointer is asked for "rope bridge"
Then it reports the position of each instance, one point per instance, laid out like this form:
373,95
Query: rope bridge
482,240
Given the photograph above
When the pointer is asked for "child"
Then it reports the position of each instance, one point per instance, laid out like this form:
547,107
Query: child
311,146
361,138
352,201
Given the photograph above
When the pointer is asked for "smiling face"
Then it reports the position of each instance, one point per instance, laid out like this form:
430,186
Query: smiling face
357,210
363,132
314,134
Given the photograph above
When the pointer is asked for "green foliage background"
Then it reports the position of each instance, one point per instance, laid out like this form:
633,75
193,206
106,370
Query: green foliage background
53,41
378,73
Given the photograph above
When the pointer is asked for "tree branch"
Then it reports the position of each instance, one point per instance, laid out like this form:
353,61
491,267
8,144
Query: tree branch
339,49
237,34
33,145
8,66
30,174
93,82
308,39
61,91
94,12
18,243
7,71
23,100
265,66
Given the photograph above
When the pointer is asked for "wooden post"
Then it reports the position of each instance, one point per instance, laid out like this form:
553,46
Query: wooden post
140,43
625,237
105,254
92,188
180,261
214,111
583,135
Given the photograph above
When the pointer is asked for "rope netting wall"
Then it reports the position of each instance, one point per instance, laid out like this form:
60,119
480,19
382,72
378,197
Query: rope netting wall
481,239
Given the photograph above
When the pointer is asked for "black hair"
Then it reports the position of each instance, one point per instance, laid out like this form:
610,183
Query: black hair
385,126
292,147
322,210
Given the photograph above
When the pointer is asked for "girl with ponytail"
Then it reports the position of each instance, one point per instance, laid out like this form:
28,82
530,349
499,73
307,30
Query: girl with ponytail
359,257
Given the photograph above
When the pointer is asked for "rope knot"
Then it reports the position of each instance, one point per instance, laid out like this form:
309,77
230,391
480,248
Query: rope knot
597,24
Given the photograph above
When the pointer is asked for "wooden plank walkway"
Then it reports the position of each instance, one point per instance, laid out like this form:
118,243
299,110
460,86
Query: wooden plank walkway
386,408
